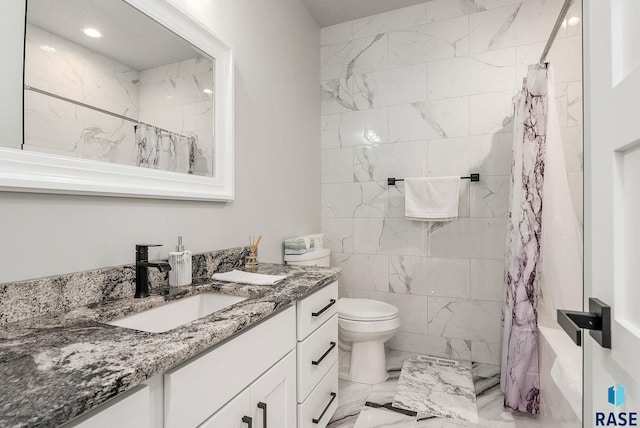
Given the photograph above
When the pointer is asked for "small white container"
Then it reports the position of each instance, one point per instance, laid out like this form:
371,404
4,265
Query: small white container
180,261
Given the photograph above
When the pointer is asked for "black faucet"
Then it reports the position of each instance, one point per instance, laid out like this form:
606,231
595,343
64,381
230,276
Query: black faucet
142,269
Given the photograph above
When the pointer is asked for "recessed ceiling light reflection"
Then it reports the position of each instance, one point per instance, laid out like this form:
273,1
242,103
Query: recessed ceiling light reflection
574,20
371,136
47,49
207,91
92,32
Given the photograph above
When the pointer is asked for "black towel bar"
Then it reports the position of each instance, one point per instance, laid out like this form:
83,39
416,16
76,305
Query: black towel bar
391,181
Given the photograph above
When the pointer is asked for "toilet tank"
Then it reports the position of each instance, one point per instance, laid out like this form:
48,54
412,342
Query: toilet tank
319,257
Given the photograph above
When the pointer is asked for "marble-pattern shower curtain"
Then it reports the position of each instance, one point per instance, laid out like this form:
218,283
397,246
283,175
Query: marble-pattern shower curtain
520,378
163,150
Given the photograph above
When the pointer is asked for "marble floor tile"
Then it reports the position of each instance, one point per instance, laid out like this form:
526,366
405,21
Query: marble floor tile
492,413
351,399
486,378
383,393
395,358
437,422
382,418
437,390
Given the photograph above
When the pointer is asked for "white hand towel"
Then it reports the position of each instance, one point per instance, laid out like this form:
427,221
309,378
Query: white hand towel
431,198
242,277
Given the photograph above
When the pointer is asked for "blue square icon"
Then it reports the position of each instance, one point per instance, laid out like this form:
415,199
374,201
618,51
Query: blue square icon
616,395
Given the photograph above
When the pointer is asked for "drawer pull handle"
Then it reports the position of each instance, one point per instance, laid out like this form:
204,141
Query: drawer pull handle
333,397
331,346
247,420
321,311
263,406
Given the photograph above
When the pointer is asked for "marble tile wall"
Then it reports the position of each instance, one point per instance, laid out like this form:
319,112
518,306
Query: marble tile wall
173,97
170,96
72,71
426,91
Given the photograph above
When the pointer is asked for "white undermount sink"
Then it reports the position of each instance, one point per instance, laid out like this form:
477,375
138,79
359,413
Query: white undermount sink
175,314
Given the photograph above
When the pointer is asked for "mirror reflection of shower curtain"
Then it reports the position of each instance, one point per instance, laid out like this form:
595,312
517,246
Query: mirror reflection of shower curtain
543,239
167,151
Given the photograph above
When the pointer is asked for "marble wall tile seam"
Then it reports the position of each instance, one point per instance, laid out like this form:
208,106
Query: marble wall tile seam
460,8
458,81
350,76
391,20
477,56
402,104
417,28
515,16
425,256
513,45
397,217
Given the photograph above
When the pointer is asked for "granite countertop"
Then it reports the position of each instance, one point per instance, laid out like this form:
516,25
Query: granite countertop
55,367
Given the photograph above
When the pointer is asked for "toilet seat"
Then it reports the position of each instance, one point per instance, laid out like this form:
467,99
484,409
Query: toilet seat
377,326
366,310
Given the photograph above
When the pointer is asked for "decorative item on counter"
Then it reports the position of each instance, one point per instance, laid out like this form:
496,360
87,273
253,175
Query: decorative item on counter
252,258
303,244
181,266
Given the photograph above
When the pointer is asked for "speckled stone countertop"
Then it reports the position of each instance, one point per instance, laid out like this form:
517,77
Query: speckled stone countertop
57,366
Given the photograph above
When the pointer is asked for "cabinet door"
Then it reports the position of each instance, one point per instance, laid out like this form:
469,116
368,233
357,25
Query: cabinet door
235,414
130,410
273,396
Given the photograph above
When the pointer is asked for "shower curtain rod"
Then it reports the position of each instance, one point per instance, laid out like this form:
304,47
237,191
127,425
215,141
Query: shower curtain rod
98,109
556,28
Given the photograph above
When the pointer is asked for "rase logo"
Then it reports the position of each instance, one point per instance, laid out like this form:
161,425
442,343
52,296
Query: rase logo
615,396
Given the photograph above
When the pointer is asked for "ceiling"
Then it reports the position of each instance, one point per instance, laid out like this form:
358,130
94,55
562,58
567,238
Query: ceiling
329,12
129,37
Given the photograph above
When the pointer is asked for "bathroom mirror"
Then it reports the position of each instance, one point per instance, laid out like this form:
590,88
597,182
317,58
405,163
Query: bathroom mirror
123,97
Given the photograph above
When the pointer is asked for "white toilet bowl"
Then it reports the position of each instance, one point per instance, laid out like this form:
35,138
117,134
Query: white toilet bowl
364,325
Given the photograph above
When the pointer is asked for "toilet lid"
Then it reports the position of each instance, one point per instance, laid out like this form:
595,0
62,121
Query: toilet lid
365,310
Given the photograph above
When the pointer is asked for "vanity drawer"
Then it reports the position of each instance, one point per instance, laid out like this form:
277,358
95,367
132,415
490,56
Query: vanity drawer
322,403
316,355
315,309
198,388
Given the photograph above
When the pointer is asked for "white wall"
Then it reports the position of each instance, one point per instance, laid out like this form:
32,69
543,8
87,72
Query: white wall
11,42
277,162
435,82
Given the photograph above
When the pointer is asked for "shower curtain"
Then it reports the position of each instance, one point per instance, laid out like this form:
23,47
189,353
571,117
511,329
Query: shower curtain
543,263
164,150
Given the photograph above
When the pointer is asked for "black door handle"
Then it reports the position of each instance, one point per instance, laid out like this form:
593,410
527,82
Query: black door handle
263,407
247,420
331,346
598,320
321,311
333,397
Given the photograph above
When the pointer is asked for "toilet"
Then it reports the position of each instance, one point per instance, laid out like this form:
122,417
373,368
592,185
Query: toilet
364,325
319,257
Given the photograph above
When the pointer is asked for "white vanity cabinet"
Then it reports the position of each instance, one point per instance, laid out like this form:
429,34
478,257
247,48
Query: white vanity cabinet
129,410
282,371
317,354
140,407
197,389
266,403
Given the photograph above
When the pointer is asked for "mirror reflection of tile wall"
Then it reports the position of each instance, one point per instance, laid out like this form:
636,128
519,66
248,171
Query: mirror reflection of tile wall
176,97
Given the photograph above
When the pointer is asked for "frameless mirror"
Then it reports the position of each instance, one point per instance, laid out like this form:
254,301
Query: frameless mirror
118,90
